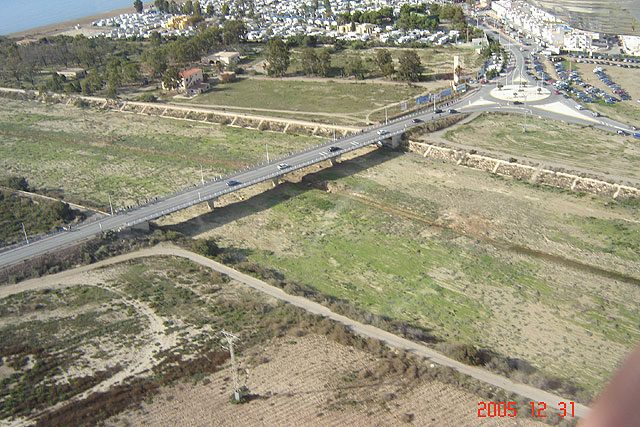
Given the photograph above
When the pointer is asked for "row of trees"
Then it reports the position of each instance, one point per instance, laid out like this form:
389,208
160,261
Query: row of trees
318,62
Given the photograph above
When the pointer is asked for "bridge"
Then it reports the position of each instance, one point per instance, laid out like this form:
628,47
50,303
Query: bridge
487,98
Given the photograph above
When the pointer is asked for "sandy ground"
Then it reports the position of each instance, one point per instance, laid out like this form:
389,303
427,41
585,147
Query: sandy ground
69,27
307,381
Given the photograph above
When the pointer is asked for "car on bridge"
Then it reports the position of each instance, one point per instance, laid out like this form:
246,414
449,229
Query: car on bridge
233,183
282,166
420,121
623,133
438,111
453,111
636,135
333,149
383,132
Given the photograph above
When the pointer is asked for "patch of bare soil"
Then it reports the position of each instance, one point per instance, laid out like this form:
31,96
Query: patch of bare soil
311,381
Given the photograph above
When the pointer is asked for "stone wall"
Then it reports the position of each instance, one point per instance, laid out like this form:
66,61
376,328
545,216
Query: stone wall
185,113
523,172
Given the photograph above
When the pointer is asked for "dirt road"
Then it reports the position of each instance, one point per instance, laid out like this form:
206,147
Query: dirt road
551,400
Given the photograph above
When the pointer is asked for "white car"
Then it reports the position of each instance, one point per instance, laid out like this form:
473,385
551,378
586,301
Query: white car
579,107
282,166
383,132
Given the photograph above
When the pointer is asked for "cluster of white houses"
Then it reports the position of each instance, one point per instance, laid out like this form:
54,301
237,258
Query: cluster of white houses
282,18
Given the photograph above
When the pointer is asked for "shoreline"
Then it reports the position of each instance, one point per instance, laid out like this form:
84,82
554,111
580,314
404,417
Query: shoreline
59,27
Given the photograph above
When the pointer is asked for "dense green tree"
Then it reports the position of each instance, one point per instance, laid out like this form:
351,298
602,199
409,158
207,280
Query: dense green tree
277,56
384,61
225,9
209,10
56,82
309,61
171,79
324,63
410,68
355,67
137,4
161,5
327,7
233,32
187,7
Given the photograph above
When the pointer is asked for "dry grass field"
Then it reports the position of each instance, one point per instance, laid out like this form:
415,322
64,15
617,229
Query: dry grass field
552,142
88,155
73,344
471,257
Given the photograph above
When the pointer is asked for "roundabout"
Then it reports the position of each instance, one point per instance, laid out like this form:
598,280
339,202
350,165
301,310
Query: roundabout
520,93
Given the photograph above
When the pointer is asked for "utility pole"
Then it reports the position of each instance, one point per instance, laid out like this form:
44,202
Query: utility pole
334,131
25,234
267,145
201,175
237,393
524,126
110,205
385,115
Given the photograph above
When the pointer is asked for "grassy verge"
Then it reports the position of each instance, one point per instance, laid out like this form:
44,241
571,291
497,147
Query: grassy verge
89,155
564,143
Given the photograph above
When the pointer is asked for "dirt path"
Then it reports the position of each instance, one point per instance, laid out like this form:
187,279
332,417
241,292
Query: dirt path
392,340
142,357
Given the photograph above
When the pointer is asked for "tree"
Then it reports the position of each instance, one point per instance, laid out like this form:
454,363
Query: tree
410,68
187,7
233,32
225,9
209,10
324,63
171,79
278,57
137,4
384,61
156,39
458,72
309,61
327,7
355,68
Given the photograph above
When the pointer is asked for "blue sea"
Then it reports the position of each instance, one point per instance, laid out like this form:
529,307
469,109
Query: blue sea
18,15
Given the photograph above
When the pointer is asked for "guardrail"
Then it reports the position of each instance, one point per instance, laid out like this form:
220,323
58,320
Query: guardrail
198,196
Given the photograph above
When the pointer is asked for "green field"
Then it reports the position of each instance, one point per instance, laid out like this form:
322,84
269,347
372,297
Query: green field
439,252
554,142
350,99
89,155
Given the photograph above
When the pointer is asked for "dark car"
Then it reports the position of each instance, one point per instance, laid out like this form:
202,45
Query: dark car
233,183
623,133
453,111
438,111
334,148
416,121
517,103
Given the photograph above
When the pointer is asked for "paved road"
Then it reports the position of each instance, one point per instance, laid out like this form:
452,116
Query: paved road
213,189
552,400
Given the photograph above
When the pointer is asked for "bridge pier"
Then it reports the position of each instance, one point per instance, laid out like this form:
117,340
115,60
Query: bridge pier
335,160
396,140
275,181
211,204
144,226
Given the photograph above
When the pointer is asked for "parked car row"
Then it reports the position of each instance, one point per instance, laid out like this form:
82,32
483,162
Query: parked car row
615,88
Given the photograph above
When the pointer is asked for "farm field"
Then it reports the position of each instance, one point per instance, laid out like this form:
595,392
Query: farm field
149,329
531,273
551,142
345,99
89,155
